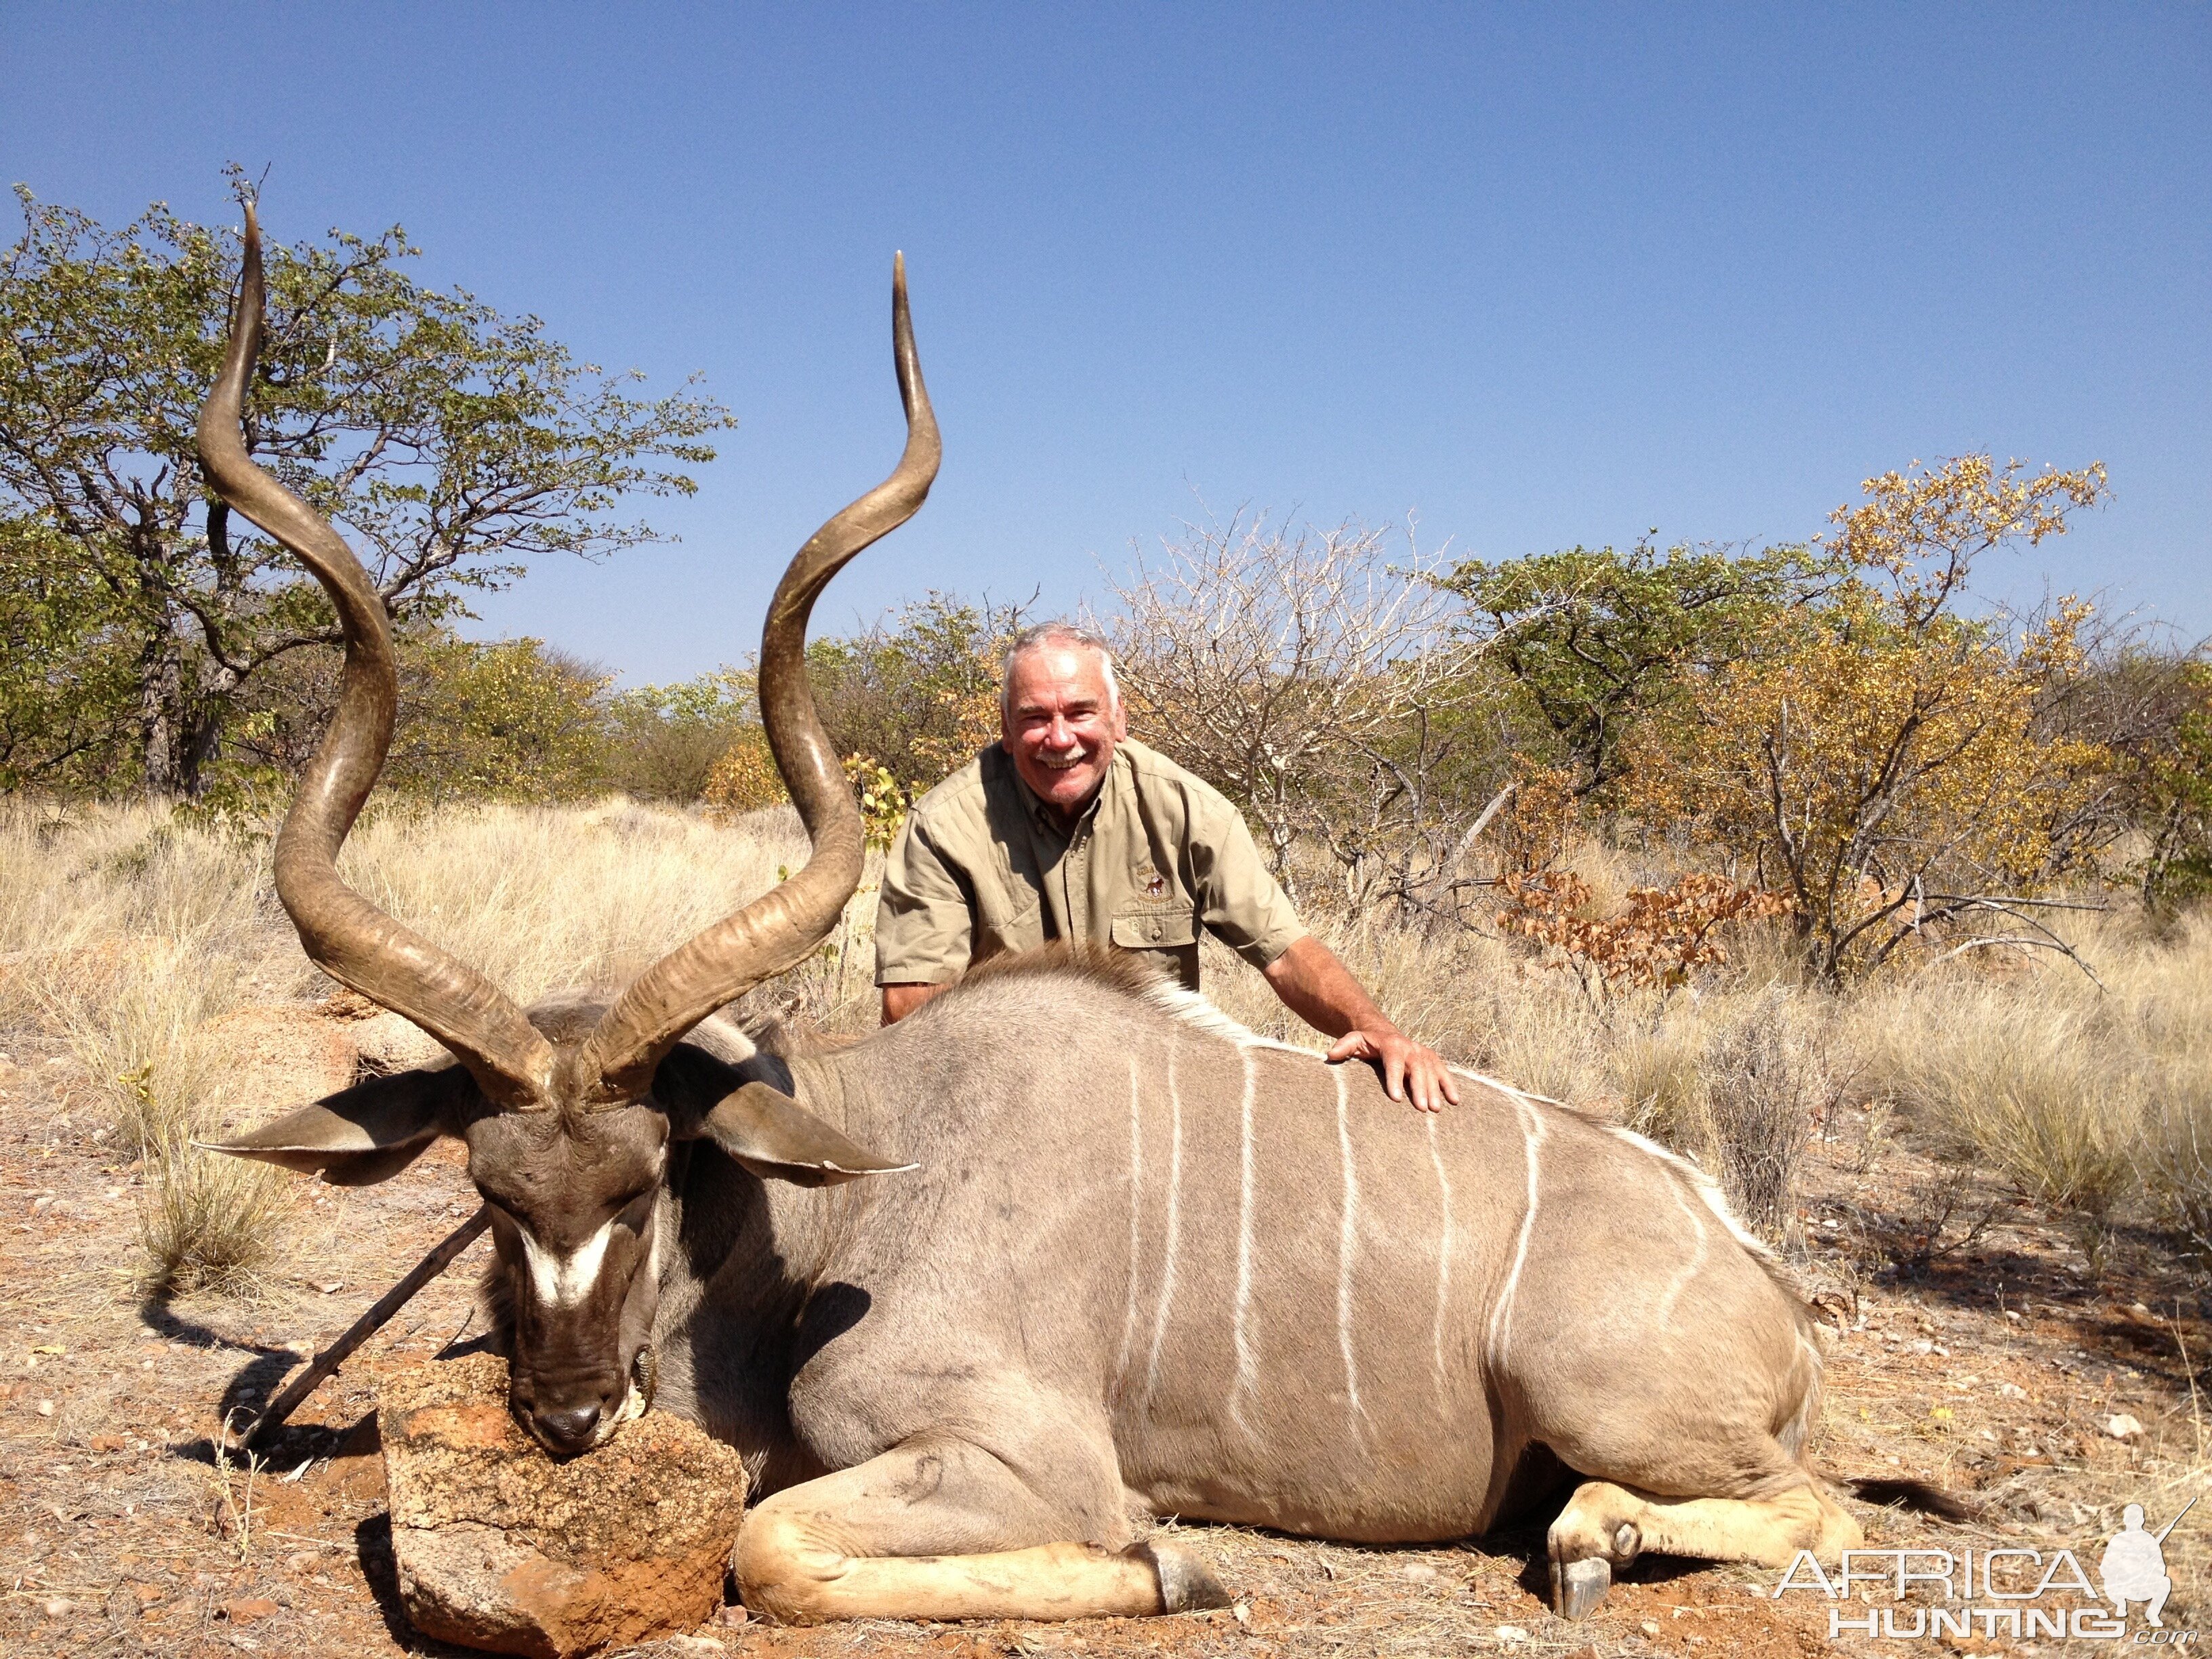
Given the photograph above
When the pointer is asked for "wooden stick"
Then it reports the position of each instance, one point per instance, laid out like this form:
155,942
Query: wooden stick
273,1415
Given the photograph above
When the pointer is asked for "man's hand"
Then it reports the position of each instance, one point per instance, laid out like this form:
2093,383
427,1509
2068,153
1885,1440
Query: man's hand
1320,991
1408,1068
900,1000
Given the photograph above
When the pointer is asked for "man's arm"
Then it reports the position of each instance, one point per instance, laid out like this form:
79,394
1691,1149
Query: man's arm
900,1000
1320,991
923,923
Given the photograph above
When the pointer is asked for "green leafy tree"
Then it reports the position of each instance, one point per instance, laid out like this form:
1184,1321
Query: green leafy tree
511,720
2173,780
1595,637
917,694
662,741
449,444
1885,760
60,664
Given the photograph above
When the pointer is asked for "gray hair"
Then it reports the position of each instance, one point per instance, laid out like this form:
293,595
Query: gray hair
1055,633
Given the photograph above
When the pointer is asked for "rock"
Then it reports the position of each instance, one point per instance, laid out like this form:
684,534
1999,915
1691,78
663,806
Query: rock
2125,1427
389,1042
246,1610
276,1058
498,1546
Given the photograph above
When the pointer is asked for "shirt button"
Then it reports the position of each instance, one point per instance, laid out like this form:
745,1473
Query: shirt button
1156,931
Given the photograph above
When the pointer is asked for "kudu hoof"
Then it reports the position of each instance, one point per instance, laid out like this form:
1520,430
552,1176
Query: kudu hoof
1186,1583
1578,1587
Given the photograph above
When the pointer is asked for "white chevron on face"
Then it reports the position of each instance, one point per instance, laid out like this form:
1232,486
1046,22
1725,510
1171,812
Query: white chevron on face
563,1280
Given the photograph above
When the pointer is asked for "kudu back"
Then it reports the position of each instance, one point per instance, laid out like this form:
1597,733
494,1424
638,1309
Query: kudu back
1062,1250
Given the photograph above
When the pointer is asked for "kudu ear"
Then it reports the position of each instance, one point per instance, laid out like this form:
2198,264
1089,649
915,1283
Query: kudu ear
361,1135
779,1139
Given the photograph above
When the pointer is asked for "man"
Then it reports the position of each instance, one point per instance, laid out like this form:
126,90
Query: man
1068,829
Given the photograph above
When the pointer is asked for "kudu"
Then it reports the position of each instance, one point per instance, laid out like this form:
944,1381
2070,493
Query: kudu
1126,1260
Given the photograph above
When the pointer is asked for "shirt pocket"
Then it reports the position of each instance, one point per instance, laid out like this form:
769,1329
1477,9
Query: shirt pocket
1154,930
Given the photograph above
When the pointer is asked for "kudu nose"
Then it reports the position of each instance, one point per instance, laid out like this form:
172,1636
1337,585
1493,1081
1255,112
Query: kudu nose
570,1431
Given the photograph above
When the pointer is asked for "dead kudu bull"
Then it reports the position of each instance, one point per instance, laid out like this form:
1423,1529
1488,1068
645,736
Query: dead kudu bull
1121,1257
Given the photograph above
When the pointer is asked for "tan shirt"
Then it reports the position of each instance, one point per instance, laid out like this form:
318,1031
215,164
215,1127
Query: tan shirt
981,867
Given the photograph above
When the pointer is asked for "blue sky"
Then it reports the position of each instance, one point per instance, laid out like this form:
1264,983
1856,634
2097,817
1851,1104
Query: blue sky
1539,276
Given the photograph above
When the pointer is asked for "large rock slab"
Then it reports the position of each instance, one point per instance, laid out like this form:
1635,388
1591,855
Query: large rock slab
500,1547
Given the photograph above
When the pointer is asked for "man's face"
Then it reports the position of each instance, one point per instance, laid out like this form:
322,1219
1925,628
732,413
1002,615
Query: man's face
1060,723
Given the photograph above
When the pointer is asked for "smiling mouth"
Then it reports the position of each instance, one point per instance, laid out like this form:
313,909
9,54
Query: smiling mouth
1063,763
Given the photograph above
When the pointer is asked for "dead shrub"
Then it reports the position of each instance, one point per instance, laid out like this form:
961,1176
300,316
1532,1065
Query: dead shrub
208,1222
1767,1084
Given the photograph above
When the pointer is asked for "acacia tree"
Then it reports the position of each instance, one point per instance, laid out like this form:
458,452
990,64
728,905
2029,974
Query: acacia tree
1597,638
1882,758
450,444
1312,682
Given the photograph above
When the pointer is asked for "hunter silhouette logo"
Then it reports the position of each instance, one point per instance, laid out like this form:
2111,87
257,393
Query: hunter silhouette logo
2134,1563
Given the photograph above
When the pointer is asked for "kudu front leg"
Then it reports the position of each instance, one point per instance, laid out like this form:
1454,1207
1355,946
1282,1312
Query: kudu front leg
1605,1526
940,1528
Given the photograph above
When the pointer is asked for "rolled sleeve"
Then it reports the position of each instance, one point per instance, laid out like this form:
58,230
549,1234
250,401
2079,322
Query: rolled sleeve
925,927
1241,903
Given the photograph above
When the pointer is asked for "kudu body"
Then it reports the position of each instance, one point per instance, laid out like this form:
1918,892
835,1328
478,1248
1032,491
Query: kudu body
1122,1258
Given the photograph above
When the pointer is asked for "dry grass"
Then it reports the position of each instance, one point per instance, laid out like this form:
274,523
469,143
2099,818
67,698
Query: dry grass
541,899
126,937
2094,1098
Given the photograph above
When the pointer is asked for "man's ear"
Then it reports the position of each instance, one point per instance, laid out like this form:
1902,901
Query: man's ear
779,1139
361,1135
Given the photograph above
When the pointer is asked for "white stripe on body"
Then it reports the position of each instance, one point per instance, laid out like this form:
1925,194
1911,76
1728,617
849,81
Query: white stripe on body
1680,1282
1347,1239
1136,1200
562,1281
1443,1252
1175,1223
1707,1188
1247,1367
1501,1315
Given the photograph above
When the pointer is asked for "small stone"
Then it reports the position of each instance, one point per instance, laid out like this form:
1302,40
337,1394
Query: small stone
1511,1633
60,1608
2012,1316
498,1546
46,1408
694,1647
1649,1627
732,1616
246,1611
2124,1427
1420,1572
